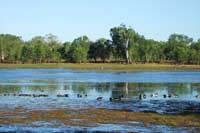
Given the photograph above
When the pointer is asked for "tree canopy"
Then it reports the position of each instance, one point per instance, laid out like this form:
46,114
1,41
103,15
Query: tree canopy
126,45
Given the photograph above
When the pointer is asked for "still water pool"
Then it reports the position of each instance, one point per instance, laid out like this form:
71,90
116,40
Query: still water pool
141,91
159,92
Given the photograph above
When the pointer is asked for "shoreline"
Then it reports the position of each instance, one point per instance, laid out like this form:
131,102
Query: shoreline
107,66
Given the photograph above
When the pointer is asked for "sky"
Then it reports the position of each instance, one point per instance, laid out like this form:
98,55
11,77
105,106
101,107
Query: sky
69,19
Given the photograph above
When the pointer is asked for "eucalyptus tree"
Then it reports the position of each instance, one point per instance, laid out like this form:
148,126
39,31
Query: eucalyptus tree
100,49
177,48
145,50
1,49
122,38
63,50
10,47
134,53
52,49
195,53
27,53
39,49
93,51
78,51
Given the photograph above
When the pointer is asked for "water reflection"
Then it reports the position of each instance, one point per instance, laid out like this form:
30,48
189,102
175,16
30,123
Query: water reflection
185,91
185,102
10,89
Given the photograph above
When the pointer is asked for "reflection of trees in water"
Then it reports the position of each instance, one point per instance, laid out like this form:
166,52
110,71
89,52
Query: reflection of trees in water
86,87
47,85
179,88
80,87
196,87
39,86
120,89
44,81
144,87
10,89
125,88
67,87
134,89
49,88
102,87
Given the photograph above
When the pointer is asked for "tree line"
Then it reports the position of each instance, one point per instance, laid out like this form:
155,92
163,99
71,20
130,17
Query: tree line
125,46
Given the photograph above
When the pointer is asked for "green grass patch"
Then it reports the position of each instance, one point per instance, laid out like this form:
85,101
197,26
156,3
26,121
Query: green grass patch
107,66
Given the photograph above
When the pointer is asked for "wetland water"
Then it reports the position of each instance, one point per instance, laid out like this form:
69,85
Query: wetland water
158,92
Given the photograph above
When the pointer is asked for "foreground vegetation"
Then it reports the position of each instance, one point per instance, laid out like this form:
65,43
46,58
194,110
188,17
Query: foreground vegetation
125,45
108,66
92,117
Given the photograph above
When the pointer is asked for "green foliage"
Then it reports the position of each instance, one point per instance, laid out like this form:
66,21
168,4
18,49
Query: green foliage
177,48
100,49
150,50
195,53
119,37
125,45
63,50
134,52
10,47
78,51
26,53
52,49
38,44
122,39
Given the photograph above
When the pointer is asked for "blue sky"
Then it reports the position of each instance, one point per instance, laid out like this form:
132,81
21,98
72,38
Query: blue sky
69,19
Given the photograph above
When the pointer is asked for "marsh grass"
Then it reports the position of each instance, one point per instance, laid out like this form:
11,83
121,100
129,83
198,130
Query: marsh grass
92,117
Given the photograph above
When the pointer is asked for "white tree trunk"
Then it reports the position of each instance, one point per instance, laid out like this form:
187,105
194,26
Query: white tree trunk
1,55
127,54
126,88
